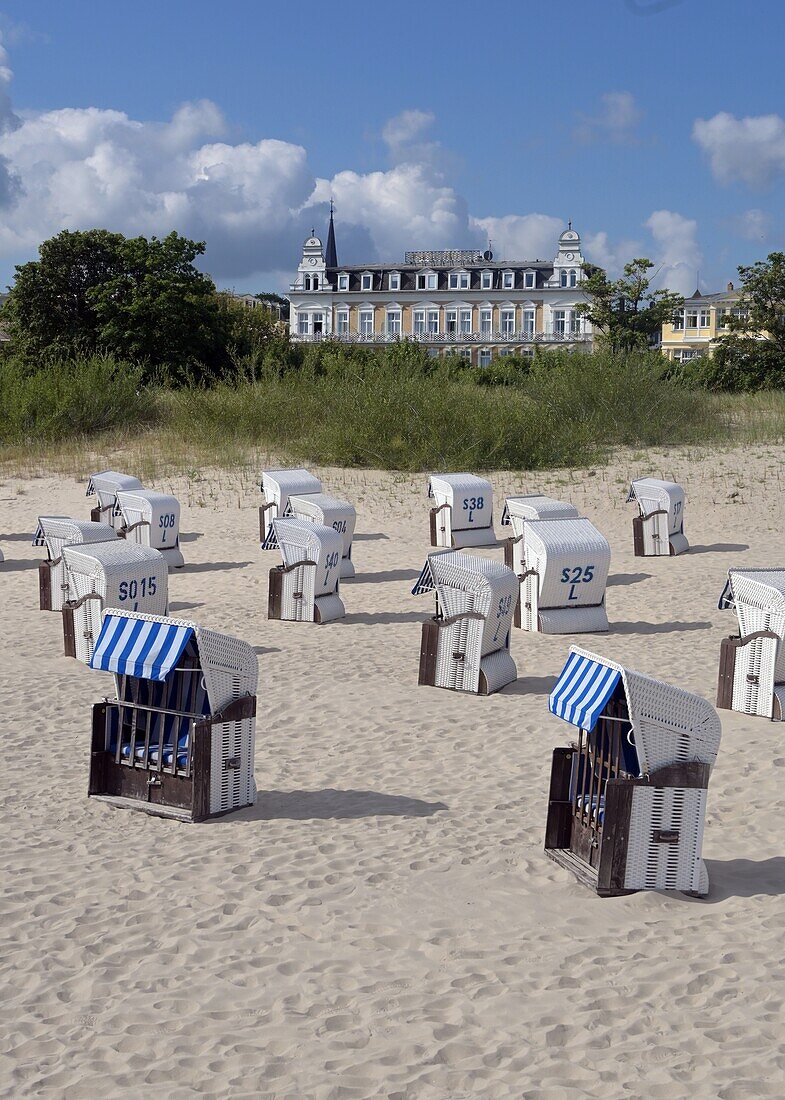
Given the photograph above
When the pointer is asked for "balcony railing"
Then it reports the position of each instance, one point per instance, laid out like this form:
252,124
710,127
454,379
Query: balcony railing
442,338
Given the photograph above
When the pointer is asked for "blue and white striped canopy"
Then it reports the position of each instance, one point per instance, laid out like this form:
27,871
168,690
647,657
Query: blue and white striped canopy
582,690
270,539
505,520
726,601
425,581
39,539
90,490
137,647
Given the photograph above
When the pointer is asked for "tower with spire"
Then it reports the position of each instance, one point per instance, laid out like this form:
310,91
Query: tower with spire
331,253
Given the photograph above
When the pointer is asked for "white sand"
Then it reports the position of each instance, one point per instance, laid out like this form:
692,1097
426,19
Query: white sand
384,923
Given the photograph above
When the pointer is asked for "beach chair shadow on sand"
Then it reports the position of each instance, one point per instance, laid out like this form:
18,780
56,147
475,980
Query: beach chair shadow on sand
332,804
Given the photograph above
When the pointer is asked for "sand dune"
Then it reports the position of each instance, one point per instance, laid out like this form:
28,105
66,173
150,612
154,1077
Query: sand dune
384,922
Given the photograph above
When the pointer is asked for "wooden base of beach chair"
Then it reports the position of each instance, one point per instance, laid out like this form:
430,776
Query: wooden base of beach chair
96,515
429,643
69,632
275,593
637,537
45,586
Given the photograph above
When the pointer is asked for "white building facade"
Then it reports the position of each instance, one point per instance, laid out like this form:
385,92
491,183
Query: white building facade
452,302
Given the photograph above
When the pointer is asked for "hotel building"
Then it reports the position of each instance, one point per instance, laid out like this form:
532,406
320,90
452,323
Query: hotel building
452,302
695,329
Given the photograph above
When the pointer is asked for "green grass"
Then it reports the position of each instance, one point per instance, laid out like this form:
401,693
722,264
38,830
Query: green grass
393,411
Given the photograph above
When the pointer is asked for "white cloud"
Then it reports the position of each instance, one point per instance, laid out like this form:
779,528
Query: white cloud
401,130
678,256
753,225
521,236
750,150
598,249
616,121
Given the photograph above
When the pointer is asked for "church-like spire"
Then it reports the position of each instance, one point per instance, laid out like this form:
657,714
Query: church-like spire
331,254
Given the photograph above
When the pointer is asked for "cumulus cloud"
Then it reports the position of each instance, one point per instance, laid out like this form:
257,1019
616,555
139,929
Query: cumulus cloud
616,121
678,255
749,150
520,236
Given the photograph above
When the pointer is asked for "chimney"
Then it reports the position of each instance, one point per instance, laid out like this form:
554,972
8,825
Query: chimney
730,287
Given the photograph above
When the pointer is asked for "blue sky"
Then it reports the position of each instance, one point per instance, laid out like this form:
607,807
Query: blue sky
656,125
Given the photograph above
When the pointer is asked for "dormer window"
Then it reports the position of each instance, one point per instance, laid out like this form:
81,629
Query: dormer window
486,280
508,280
459,280
366,281
394,280
427,280
343,281
529,280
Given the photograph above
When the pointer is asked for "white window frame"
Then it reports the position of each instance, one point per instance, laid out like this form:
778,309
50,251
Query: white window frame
451,319
704,318
363,328
366,280
508,280
459,280
529,321
529,280
430,280
465,321
394,280
690,313
507,321
418,322
465,353
485,357
678,321
563,278
560,322
393,321
486,280
303,324
343,280
486,321
342,322
432,319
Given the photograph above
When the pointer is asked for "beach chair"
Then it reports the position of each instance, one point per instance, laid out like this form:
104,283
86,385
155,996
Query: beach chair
752,663
55,532
106,486
465,646
627,803
305,587
114,574
659,529
462,512
178,738
328,511
562,582
277,486
517,510
152,519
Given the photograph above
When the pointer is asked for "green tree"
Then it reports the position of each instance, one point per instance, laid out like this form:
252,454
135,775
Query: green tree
751,353
134,298
626,312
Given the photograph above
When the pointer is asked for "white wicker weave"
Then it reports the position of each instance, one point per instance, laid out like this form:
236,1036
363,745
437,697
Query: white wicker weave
758,596
330,512
55,532
517,510
230,669
106,486
670,726
152,519
121,575
463,510
481,595
661,505
565,571
277,486
310,592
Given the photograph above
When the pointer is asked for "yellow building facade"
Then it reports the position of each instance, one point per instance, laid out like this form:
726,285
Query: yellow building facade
695,329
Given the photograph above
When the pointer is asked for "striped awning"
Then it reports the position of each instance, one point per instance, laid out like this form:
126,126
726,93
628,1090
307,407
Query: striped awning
90,490
39,539
726,601
425,581
505,520
138,647
582,690
270,539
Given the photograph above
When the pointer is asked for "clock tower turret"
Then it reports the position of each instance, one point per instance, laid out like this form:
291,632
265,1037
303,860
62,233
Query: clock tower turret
312,267
569,259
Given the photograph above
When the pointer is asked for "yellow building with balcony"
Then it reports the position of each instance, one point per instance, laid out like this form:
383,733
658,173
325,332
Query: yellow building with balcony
695,329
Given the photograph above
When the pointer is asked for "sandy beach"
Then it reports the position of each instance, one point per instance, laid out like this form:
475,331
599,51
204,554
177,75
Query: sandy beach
384,922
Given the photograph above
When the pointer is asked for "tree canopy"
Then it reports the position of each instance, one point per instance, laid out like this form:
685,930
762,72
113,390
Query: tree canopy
137,298
626,313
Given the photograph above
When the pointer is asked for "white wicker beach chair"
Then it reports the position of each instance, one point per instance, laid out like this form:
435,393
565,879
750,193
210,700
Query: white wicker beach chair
305,587
627,803
752,663
109,574
152,519
562,582
277,486
659,529
462,514
330,512
517,510
55,532
466,645
178,738
106,486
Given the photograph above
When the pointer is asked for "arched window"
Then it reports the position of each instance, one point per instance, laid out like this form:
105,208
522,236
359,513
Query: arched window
573,278
563,279
316,282
307,282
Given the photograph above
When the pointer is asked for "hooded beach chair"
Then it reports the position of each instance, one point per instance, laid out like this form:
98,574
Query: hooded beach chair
277,486
178,738
329,512
659,529
106,486
151,519
462,513
562,582
752,663
305,587
517,510
627,803
109,574
466,645
55,532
